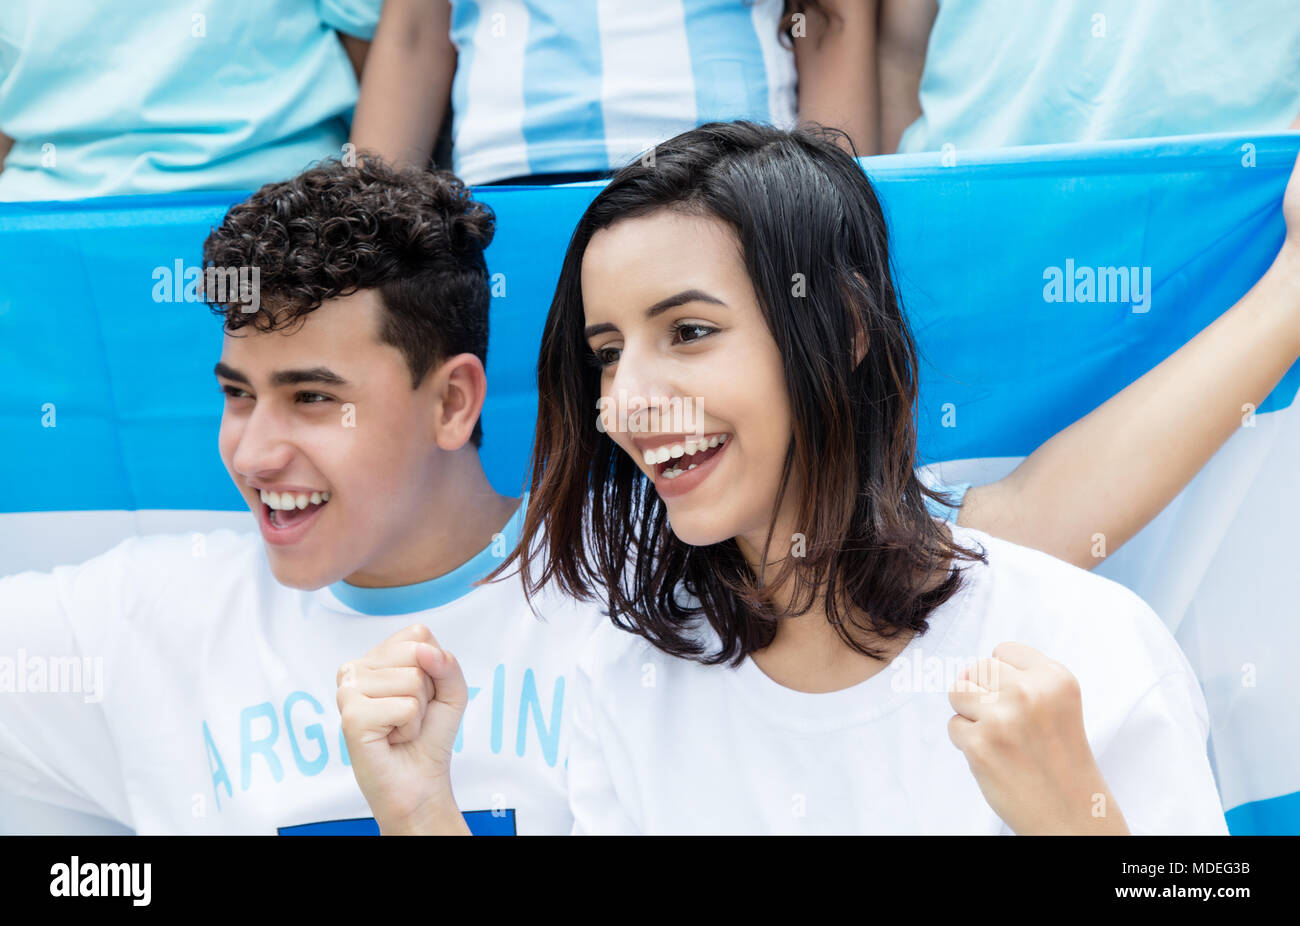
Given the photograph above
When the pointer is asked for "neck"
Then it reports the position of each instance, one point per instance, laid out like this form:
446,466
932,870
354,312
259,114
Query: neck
807,654
455,515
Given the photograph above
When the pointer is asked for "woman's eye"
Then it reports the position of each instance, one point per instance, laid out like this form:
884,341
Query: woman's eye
601,358
312,398
678,329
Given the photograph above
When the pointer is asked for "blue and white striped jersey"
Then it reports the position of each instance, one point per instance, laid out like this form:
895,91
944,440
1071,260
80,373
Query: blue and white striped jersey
547,86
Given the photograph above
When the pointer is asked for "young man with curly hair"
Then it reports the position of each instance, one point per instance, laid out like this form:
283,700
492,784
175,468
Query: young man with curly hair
351,428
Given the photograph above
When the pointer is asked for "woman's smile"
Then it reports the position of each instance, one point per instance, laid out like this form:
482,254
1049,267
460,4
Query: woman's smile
679,464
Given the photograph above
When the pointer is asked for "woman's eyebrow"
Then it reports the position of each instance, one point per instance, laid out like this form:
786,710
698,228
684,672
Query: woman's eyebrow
663,305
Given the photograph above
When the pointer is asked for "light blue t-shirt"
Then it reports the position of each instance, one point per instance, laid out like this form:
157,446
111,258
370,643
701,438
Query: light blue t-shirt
956,493
1008,72
150,96
548,86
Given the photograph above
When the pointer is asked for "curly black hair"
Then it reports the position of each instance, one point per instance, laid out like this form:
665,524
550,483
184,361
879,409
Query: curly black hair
416,236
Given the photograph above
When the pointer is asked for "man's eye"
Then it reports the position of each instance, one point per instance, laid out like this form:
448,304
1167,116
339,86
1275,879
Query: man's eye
233,392
312,398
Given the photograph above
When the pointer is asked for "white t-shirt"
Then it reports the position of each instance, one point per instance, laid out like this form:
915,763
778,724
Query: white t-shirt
217,711
666,745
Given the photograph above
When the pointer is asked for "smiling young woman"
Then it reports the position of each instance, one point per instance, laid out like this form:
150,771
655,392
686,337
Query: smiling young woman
757,598
821,443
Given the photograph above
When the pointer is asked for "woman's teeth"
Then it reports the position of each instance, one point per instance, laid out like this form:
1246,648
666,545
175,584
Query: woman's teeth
690,448
287,501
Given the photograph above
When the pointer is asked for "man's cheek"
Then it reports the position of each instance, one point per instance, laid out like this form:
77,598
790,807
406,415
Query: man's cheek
227,442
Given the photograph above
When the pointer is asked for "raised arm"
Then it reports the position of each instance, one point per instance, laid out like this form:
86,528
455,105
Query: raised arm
836,61
1115,469
407,82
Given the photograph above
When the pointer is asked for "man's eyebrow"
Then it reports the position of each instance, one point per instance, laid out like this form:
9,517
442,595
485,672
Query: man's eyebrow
663,305
230,373
323,375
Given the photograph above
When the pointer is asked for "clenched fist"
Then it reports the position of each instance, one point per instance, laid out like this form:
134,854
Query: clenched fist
1019,722
401,706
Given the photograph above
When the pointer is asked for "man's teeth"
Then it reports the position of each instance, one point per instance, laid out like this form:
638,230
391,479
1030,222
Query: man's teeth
285,501
690,448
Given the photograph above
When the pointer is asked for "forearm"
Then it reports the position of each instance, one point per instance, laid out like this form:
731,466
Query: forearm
836,61
1114,470
407,83
1093,811
900,100
903,36
5,144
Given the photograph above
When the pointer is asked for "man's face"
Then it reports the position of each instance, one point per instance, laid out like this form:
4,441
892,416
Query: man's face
322,424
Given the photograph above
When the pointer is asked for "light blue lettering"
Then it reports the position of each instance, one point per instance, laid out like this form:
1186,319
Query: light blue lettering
498,706
248,746
219,775
314,732
530,705
460,731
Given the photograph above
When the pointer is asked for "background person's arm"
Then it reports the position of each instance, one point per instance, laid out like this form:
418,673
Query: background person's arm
904,32
1115,469
407,83
836,61
356,49
5,144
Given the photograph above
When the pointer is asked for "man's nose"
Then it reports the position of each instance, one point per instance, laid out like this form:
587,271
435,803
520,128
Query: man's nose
263,447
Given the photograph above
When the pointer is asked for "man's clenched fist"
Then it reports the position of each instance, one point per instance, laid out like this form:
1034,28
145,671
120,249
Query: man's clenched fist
401,706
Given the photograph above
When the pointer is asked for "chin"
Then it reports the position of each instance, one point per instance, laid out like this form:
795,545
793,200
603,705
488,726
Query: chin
698,532
294,575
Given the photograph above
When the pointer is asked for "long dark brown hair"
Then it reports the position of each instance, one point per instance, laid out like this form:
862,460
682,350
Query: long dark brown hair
797,203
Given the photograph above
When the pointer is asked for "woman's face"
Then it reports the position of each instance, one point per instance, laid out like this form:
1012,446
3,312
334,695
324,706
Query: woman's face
688,364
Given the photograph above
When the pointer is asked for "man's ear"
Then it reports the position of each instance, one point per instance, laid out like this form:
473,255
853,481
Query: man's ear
459,390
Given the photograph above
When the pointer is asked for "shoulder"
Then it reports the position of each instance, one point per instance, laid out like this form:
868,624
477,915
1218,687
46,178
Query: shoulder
561,615
159,570
197,551
1071,615
611,654
628,674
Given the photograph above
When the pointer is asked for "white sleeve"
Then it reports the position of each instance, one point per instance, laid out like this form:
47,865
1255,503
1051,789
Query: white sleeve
593,798
56,745
1157,767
